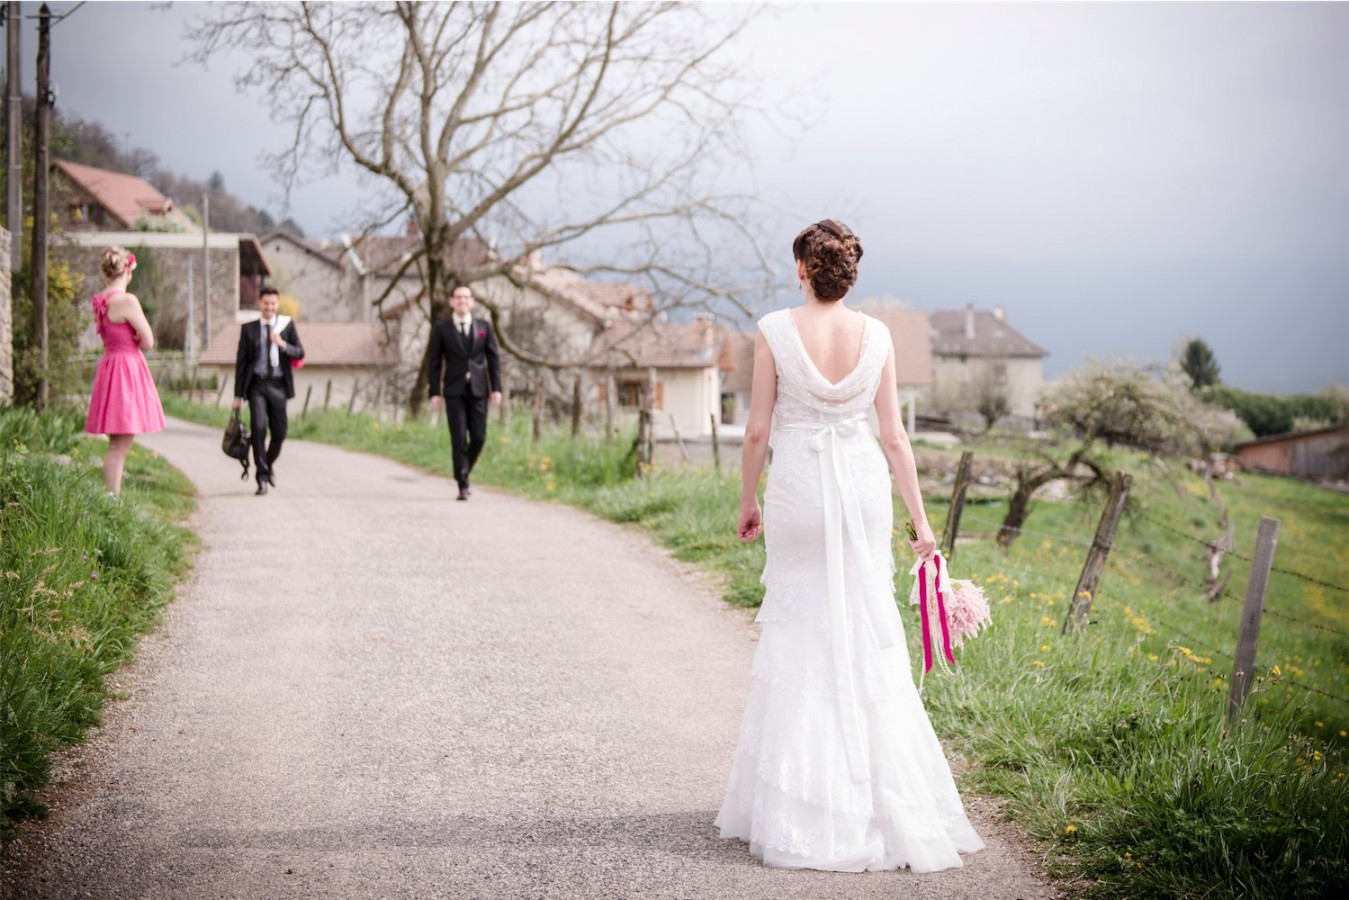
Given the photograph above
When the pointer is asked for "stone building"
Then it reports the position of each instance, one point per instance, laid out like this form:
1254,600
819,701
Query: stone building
975,352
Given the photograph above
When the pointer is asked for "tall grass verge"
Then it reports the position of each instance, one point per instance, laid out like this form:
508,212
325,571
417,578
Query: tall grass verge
1111,747
81,576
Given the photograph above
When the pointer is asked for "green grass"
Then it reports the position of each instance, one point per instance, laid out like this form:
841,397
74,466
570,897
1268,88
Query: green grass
81,576
1112,747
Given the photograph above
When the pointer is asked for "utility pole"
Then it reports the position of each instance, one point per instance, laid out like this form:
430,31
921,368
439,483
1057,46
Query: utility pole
13,29
41,200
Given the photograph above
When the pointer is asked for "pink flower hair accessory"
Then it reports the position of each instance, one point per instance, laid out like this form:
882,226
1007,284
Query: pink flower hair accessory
130,262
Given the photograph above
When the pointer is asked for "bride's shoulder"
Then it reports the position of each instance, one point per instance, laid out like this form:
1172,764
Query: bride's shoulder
776,319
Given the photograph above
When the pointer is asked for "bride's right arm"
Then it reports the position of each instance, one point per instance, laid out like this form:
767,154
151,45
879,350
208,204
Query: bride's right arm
899,455
764,394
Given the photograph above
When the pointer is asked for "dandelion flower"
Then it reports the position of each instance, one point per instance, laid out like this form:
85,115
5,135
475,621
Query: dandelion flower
1070,829
1044,648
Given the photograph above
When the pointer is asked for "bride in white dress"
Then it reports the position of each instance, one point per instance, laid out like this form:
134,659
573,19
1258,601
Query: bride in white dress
838,766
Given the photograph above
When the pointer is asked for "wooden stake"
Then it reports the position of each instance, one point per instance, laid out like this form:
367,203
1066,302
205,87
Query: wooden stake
576,406
538,405
952,529
683,451
716,444
307,392
1079,608
1243,668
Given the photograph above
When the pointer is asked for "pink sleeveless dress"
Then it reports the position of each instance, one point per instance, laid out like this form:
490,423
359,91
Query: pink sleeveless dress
123,399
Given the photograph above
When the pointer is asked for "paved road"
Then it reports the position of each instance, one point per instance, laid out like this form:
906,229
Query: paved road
367,689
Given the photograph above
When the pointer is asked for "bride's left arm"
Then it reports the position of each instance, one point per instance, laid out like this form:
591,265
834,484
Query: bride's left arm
899,454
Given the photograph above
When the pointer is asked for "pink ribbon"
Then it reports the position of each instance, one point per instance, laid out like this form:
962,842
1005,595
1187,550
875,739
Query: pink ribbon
941,613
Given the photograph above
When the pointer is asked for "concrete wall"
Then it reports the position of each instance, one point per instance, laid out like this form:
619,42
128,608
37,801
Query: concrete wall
6,324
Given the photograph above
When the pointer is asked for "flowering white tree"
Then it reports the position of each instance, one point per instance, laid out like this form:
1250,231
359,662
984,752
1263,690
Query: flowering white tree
1108,405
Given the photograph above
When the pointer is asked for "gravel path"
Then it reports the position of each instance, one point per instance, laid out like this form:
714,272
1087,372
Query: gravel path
367,689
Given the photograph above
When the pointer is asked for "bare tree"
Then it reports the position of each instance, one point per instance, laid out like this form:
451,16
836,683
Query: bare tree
991,399
526,127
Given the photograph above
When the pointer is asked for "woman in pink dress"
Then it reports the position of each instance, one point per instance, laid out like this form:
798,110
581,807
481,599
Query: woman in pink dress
123,402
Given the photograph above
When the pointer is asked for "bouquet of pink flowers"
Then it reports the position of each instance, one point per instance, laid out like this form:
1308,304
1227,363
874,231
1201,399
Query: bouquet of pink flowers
958,609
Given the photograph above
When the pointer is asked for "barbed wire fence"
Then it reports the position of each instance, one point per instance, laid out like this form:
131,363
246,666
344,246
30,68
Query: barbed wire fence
1110,552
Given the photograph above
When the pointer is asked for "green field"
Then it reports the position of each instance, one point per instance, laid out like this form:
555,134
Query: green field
1112,747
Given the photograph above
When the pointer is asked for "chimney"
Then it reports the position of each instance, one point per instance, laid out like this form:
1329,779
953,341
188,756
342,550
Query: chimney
999,313
969,322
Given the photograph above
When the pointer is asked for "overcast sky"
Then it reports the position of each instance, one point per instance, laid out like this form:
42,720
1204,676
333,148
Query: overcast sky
1114,175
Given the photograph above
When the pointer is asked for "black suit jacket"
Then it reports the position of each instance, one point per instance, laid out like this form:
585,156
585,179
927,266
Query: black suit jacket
250,347
447,353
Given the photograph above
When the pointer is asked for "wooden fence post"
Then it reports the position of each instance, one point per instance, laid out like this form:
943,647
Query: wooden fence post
576,406
716,444
952,529
1243,668
327,394
674,426
639,443
220,394
611,388
538,405
308,391
351,403
1079,608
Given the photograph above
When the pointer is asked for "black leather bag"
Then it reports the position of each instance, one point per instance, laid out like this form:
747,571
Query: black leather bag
235,443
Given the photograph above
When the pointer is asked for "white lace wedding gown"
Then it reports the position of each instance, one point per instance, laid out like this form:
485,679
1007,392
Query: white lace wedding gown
838,766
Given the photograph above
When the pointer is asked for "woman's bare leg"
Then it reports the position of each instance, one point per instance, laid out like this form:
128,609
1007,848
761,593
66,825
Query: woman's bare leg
119,445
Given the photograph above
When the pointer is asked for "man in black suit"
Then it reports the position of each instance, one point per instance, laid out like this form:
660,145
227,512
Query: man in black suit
466,348
267,349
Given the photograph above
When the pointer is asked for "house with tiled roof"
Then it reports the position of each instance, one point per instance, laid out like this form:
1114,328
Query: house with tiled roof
688,359
975,351
92,199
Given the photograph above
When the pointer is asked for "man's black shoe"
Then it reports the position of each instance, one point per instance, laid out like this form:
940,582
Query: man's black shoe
271,479
463,494
262,488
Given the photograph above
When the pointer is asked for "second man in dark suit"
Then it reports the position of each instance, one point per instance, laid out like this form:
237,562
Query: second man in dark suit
464,348
267,349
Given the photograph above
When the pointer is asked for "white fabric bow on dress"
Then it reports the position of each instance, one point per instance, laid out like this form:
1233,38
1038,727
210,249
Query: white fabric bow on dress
843,522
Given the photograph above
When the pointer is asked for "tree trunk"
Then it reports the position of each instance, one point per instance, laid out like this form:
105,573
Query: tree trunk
1018,508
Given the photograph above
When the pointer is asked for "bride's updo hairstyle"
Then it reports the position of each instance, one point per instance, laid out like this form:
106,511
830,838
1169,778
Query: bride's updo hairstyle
114,262
830,251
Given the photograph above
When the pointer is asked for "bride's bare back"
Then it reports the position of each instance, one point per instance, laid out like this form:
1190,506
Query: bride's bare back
832,337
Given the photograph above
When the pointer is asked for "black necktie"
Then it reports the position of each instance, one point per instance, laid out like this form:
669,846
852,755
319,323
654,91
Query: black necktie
464,335
267,348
